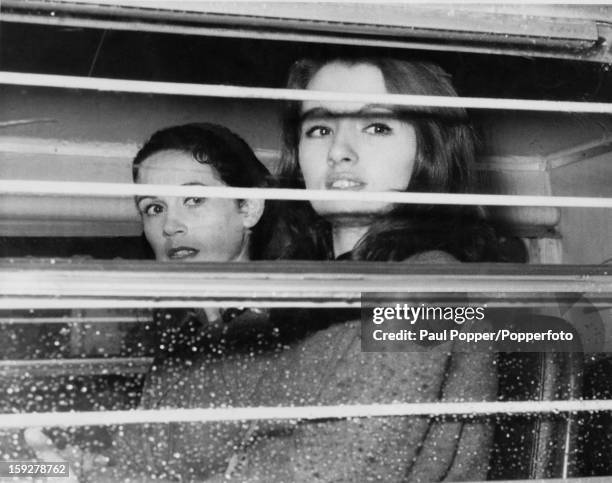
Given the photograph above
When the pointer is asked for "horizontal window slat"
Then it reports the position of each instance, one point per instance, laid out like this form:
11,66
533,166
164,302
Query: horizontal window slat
241,92
51,283
81,188
344,411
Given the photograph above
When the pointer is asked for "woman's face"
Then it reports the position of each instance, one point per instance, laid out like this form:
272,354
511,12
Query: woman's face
189,229
353,146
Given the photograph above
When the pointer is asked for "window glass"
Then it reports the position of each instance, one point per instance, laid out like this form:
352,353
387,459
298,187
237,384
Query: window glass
153,340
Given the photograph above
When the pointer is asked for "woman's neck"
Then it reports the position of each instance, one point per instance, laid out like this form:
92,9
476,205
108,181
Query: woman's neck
346,237
244,255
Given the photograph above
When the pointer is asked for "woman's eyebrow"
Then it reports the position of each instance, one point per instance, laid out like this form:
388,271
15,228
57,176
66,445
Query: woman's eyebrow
316,113
141,198
190,183
365,110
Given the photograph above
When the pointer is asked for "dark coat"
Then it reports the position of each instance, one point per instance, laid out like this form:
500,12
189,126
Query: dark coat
326,367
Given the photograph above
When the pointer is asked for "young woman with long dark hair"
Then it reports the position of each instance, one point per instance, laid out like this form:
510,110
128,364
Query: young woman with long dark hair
418,149
361,147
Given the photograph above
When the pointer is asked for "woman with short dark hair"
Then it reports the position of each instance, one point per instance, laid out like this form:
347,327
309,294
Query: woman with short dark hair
205,154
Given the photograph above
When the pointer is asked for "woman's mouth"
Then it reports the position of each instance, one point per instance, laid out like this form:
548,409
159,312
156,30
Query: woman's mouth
344,184
181,253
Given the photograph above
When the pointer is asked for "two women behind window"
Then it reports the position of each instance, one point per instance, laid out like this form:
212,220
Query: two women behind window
329,146
237,357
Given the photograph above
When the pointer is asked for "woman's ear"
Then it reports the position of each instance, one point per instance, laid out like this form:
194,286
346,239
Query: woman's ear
251,211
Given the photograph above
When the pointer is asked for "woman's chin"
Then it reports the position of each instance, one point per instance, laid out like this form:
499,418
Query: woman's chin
359,212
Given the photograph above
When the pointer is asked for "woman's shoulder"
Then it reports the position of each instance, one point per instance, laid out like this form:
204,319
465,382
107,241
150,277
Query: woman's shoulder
432,256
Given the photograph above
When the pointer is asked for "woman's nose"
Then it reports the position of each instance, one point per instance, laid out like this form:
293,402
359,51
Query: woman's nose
173,225
342,148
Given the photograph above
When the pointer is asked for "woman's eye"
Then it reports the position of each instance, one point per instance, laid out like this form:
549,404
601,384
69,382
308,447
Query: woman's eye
193,201
152,210
318,131
378,128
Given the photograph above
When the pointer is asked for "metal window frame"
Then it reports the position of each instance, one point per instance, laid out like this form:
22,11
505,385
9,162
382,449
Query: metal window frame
414,26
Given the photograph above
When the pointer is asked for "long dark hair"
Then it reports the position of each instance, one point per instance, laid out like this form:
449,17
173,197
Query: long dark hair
444,163
233,161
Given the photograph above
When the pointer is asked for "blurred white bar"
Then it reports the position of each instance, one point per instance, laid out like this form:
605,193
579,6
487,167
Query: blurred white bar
240,92
121,283
344,411
80,188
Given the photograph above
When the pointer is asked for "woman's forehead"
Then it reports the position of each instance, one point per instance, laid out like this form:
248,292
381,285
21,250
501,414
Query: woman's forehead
340,77
344,78
176,167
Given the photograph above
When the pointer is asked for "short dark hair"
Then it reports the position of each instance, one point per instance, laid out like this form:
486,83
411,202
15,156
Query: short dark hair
229,155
